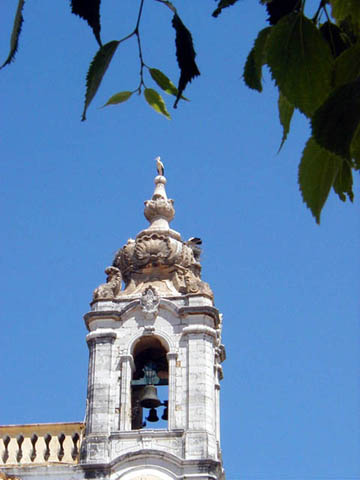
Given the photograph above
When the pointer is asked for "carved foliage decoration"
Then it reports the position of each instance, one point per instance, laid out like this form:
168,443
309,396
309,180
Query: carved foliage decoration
139,261
158,206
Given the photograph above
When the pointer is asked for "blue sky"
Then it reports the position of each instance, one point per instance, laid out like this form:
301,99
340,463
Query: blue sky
73,192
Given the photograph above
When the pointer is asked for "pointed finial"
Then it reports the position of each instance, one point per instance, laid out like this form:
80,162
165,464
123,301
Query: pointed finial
159,210
159,166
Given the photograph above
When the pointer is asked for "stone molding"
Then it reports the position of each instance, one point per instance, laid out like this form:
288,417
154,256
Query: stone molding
127,357
199,329
103,334
163,303
172,355
145,331
207,468
201,309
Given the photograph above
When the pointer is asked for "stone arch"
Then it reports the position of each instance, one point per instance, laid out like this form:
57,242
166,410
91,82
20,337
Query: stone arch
162,336
147,465
146,473
151,370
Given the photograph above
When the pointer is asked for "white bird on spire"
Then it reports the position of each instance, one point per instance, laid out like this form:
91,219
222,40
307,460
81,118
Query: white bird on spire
159,166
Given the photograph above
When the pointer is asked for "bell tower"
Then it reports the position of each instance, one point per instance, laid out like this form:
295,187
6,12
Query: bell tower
155,357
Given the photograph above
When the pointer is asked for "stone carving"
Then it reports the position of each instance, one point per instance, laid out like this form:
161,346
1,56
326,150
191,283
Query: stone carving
152,248
186,281
149,302
158,256
111,288
159,206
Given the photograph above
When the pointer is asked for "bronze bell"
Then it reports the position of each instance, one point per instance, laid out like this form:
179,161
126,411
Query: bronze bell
152,416
165,415
149,398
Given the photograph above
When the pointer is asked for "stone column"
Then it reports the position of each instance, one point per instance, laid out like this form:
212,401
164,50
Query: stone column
217,370
126,368
200,441
100,397
172,356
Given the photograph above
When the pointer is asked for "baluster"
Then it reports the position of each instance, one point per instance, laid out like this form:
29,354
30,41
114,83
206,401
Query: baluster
75,450
33,440
6,441
47,439
61,438
19,455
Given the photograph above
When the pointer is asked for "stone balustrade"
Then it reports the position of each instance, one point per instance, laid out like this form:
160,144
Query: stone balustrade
37,444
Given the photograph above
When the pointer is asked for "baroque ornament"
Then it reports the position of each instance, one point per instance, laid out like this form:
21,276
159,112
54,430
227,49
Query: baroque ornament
112,287
158,257
149,302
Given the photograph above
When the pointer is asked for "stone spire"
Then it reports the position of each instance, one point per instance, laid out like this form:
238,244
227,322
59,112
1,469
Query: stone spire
157,257
159,211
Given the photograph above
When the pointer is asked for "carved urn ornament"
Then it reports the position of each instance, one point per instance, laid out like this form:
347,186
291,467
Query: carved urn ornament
158,257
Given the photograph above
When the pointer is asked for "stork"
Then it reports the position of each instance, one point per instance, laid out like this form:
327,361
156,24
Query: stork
159,166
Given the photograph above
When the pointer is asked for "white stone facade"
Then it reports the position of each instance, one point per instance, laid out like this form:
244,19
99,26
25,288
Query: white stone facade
189,328
163,322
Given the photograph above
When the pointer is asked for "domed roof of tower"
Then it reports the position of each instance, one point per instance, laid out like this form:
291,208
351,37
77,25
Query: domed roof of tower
157,257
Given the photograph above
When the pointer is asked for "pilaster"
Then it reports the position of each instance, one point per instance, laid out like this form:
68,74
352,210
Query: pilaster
101,398
126,369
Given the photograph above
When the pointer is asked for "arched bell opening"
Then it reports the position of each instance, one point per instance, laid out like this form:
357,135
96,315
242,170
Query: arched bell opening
149,385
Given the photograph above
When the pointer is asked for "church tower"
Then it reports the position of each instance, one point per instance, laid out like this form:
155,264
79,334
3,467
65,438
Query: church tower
155,354
155,357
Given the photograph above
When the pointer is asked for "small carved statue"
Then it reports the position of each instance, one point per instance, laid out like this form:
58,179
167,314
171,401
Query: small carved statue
111,288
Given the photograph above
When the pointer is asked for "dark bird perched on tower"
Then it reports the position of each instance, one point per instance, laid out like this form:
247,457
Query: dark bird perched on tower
194,243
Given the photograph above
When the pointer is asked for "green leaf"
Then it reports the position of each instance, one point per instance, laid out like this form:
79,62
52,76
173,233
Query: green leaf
15,34
98,67
344,182
185,54
255,61
347,66
355,148
335,38
342,9
317,172
286,110
277,9
336,121
155,100
300,61
223,4
119,98
89,10
164,82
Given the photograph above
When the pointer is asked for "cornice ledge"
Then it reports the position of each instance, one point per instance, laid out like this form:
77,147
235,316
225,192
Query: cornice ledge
147,453
117,314
101,333
147,434
198,309
109,314
202,329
